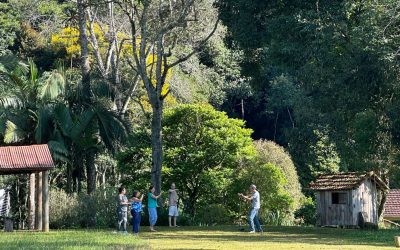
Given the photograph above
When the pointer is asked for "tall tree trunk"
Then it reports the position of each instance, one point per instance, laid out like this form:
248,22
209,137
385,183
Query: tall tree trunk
69,178
191,201
156,145
382,203
32,202
90,171
84,45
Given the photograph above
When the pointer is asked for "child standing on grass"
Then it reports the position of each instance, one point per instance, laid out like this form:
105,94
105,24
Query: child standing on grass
136,211
152,207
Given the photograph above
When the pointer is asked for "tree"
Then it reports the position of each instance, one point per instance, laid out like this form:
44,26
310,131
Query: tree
169,33
202,146
335,53
44,110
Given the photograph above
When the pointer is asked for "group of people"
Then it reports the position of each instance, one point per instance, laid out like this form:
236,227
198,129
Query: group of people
136,208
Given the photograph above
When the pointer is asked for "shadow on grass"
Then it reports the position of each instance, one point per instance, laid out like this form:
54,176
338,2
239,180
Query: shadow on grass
72,245
296,235
70,239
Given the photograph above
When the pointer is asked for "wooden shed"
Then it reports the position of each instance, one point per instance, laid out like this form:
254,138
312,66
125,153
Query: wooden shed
347,199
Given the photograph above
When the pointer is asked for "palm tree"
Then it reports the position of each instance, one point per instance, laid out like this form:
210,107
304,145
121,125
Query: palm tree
49,109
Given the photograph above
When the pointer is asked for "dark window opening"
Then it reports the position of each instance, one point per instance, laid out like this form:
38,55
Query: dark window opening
339,198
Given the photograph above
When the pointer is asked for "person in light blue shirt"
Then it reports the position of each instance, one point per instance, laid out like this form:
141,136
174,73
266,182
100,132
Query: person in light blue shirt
136,211
152,207
254,198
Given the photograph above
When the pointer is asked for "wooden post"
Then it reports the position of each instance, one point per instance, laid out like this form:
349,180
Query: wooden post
45,211
38,201
397,241
31,219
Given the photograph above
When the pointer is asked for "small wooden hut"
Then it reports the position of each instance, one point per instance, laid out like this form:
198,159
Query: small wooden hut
347,199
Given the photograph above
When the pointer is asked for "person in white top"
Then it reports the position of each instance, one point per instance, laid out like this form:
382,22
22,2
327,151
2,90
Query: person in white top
172,205
254,197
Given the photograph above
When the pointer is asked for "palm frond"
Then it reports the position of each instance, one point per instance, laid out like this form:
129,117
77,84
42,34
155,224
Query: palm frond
82,124
51,86
112,128
13,133
59,151
64,119
44,125
11,102
33,72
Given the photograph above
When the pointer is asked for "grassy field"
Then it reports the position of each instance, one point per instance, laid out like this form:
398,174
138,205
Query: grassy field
75,239
192,238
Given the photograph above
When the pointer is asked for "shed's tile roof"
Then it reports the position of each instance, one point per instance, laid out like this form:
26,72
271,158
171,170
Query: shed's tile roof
20,159
344,181
392,205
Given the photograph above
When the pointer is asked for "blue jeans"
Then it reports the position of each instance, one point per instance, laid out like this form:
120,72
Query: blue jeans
136,217
253,219
152,215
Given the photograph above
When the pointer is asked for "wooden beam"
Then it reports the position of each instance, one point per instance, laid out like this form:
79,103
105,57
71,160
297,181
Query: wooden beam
38,211
45,209
31,218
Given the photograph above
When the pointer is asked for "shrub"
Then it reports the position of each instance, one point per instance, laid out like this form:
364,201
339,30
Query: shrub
307,213
72,210
270,152
63,209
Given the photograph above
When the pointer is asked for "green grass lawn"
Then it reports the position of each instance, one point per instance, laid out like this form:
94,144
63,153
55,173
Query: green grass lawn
204,238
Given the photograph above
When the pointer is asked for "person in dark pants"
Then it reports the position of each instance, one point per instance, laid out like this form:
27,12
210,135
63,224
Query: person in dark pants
136,211
122,210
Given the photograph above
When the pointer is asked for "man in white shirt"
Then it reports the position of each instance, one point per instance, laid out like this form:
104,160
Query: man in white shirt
254,197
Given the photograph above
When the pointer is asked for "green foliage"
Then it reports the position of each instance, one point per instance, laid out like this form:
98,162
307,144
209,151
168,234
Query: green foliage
270,152
307,213
9,26
76,210
202,147
270,182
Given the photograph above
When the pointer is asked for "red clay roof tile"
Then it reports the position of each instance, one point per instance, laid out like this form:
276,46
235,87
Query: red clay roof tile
21,159
392,205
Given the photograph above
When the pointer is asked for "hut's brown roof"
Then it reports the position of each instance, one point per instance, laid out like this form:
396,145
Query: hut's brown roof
392,205
23,159
345,181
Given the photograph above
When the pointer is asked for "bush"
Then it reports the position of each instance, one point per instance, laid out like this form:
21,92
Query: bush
63,209
270,152
276,219
72,210
307,213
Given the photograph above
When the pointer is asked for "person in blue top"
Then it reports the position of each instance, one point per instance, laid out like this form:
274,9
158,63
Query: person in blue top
152,207
136,211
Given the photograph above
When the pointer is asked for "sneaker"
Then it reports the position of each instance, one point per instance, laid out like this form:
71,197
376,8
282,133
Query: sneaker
177,226
136,234
153,230
125,232
252,232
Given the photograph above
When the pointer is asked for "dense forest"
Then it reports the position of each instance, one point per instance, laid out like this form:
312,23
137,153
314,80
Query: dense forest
210,94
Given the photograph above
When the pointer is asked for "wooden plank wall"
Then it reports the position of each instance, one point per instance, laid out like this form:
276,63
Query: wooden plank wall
362,199
333,214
